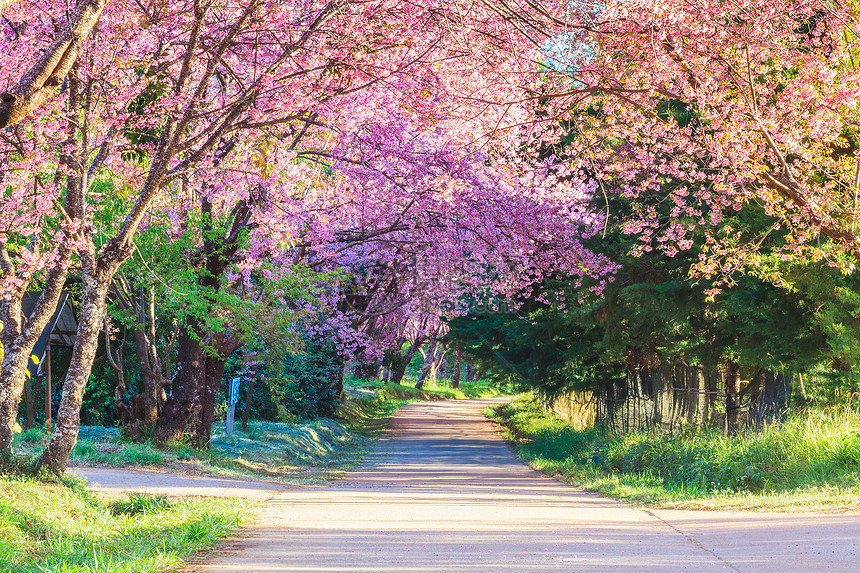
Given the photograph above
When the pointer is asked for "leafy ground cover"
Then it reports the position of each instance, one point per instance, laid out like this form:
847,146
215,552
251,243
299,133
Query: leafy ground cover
302,452
60,527
809,462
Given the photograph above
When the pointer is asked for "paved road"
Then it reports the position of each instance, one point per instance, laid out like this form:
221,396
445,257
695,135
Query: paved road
113,483
442,493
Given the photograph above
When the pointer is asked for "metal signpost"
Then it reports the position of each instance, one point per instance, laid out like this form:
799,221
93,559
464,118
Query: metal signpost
232,398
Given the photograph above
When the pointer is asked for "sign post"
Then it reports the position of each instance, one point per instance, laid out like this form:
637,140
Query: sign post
232,398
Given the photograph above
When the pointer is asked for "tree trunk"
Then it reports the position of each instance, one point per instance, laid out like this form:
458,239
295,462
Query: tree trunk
18,340
201,432
96,280
429,359
773,400
215,360
338,381
144,405
801,387
143,413
122,410
116,362
733,405
13,374
187,380
398,373
436,364
455,376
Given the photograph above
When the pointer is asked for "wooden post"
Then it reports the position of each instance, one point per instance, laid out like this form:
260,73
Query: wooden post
48,387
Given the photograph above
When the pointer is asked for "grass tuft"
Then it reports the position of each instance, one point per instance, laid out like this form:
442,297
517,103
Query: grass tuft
811,461
137,503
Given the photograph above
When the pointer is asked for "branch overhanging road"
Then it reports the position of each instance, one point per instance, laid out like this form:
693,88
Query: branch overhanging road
443,493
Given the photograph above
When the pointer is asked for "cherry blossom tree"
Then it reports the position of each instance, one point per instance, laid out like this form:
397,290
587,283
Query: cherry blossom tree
706,107
263,114
393,217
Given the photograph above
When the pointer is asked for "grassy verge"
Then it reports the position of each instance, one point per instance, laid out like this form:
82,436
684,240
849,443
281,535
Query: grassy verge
809,463
306,452
303,452
441,391
56,528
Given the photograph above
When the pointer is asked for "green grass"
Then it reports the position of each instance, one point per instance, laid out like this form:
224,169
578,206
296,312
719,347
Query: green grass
809,462
55,528
308,452
442,390
370,417
303,452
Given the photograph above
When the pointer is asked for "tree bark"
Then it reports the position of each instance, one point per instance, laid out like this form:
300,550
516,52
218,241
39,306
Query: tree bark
249,394
187,380
455,376
96,281
151,377
398,373
54,64
441,351
19,336
338,381
429,359
201,435
801,387
772,402
116,362
216,359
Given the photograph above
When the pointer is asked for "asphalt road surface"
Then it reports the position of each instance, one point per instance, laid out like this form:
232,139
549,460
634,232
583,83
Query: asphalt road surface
443,493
